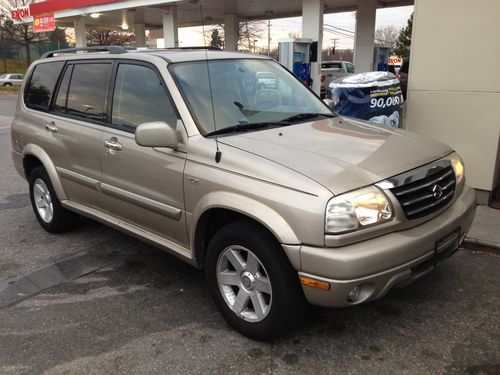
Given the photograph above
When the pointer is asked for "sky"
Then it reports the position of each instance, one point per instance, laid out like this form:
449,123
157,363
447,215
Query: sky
280,28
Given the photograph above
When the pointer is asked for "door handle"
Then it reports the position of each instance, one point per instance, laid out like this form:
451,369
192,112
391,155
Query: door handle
112,145
51,127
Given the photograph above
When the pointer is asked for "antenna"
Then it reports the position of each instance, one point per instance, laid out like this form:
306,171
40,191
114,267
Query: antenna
218,153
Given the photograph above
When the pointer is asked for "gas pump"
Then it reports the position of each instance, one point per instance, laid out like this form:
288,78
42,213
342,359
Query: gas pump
294,54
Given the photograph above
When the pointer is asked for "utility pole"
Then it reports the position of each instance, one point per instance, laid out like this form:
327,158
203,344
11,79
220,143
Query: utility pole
334,44
269,37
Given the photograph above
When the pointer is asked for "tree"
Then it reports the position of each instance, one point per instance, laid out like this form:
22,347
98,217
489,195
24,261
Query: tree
248,31
403,43
387,36
216,40
22,34
106,37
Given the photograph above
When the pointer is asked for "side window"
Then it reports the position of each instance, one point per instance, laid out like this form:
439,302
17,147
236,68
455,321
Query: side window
140,97
41,85
88,91
349,67
62,94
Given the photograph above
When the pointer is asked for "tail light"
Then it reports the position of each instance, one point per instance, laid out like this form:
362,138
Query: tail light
322,78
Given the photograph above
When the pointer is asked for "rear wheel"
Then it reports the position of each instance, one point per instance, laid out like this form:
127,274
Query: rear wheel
48,210
252,282
7,84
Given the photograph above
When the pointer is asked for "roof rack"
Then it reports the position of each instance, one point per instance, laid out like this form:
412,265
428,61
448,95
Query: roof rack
111,49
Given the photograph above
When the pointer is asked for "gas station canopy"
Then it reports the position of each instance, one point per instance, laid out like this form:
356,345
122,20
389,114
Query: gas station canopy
188,11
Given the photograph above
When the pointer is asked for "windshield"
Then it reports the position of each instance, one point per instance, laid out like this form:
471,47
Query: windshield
244,91
3,76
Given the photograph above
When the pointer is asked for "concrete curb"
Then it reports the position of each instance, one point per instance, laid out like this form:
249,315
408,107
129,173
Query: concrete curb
482,245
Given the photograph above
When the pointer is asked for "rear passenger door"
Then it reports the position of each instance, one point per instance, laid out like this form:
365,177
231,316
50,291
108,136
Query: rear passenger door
143,185
74,128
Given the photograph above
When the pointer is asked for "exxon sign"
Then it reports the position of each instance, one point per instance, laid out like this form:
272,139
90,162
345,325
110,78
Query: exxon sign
20,14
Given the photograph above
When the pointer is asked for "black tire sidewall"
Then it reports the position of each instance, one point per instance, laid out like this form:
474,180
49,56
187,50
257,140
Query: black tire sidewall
287,295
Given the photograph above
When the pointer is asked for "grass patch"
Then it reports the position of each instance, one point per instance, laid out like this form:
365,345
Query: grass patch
14,66
9,90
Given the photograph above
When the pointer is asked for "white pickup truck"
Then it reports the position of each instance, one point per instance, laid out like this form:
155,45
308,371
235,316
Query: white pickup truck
331,70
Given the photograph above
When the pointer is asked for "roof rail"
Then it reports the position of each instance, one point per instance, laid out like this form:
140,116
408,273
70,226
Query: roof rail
111,49
210,48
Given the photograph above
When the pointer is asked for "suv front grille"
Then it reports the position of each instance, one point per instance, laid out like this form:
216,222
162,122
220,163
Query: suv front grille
427,195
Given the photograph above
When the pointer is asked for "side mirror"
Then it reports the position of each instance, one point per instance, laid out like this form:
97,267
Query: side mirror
329,103
156,134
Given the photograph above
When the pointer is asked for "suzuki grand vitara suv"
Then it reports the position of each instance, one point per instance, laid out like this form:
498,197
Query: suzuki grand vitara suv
278,199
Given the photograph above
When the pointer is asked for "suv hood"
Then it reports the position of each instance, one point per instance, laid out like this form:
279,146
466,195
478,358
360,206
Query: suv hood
341,154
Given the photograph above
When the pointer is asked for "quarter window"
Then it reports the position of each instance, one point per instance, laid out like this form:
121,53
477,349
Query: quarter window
140,97
41,85
88,91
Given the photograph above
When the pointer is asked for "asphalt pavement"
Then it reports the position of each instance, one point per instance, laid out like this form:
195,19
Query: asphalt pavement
96,301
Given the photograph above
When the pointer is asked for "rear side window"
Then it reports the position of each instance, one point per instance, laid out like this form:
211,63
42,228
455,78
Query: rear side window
88,91
140,97
41,85
62,94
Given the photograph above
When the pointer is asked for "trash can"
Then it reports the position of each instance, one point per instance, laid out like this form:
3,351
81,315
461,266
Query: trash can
372,96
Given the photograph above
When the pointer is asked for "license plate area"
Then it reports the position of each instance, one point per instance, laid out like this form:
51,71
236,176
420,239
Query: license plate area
446,246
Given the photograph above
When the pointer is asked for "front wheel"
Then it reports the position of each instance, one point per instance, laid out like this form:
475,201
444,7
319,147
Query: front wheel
252,282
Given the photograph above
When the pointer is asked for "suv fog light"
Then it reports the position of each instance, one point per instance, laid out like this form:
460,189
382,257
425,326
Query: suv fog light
353,294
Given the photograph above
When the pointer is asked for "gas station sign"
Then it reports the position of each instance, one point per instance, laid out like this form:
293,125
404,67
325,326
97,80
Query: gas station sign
44,23
20,14
395,60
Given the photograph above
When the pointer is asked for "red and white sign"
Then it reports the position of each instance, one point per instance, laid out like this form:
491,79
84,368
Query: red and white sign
395,60
44,23
20,14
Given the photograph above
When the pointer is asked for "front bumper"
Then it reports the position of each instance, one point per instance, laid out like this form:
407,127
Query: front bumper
378,264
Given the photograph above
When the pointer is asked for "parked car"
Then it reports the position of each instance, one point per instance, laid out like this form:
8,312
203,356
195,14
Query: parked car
11,79
280,201
331,70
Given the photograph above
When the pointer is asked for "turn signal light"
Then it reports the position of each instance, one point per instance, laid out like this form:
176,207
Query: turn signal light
314,283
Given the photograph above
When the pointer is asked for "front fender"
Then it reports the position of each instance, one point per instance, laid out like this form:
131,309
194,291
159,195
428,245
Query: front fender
40,154
246,206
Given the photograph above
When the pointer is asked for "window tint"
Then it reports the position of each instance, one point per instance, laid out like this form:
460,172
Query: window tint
42,84
332,65
140,97
244,91
88,91
62,94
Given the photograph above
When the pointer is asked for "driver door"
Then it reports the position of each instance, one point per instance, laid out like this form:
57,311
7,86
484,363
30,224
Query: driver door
143,185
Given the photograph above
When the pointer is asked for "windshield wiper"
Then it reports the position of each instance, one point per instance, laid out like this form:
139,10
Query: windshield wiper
305,116
257,125
244,127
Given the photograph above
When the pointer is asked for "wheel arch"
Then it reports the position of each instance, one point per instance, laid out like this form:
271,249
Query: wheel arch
34,156
221,208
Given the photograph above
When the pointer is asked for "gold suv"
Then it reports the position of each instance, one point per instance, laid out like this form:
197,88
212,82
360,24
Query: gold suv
253,179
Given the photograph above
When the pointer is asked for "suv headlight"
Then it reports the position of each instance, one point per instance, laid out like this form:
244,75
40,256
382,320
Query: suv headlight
458,167
357,209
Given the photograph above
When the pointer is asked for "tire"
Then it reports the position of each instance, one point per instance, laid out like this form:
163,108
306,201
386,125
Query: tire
262,277
7,84
48,210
